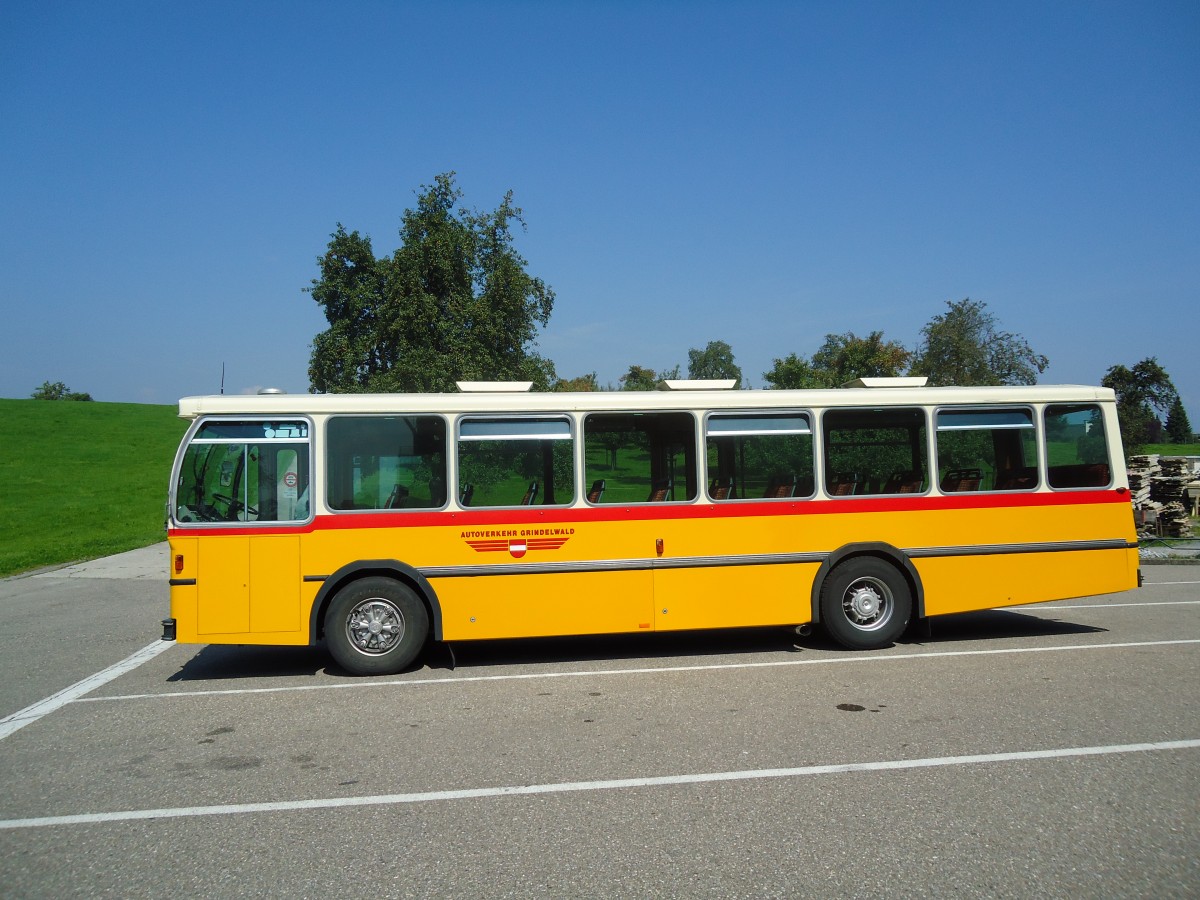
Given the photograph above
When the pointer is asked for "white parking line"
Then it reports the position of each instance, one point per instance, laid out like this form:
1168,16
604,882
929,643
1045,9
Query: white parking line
579,786
650,670
1100,605
33,712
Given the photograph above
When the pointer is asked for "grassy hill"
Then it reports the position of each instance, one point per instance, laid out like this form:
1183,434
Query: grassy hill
82,480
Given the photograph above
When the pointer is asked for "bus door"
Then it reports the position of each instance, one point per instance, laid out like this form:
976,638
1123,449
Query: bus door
648,463
724,565
240,484
637,467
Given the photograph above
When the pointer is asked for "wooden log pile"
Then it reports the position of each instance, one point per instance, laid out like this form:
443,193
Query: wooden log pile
1141,470
1159,489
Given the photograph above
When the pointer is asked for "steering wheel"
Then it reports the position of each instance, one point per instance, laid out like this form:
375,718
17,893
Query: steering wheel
234,506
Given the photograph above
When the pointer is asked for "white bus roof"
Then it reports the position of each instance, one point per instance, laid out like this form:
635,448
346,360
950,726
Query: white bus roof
493,401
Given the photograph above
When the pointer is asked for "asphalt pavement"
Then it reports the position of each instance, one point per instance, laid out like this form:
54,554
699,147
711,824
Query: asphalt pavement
147,563
1049,751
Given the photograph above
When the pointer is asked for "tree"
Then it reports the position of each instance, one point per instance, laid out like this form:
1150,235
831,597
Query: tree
57,391
964,346
1143,394
639,378
582,383
714,361
454,302
845,357
1179,429
352,351
792,373
841,358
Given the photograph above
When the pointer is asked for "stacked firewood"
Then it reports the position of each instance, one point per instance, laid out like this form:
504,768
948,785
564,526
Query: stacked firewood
1159,489
1173,521
1170,489
1141,470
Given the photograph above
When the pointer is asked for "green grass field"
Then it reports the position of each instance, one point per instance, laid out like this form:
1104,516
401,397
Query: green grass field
1172,449
82,480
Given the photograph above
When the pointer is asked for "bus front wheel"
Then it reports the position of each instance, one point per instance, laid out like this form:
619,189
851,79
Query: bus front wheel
865,604
376,626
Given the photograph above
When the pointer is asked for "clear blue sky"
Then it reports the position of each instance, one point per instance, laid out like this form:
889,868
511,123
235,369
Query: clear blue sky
757,173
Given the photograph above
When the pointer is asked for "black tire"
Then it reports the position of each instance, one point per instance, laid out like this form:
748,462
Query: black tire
865,603
376,626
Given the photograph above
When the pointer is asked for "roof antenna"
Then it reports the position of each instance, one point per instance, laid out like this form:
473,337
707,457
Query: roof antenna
222,378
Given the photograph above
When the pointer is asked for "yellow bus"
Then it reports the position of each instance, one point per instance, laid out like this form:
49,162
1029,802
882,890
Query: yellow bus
378,523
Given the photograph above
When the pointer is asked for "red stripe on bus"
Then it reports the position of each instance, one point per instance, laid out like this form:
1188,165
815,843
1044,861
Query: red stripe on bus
535,518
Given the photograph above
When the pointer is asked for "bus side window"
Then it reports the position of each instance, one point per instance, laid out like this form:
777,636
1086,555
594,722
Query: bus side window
986,450
385,462
759,456
641,457
515,461
1076,448
875,451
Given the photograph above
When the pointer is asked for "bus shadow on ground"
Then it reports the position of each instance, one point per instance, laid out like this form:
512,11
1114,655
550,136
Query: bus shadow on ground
990,624
614,647
975,626
220,662
226,662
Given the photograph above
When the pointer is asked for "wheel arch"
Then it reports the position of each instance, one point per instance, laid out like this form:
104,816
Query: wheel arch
879,550
363,568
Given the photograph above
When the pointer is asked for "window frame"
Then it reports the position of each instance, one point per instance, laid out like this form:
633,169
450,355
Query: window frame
810,419
1034,424
697,448
925,447
573,429
193,438
326,460
1104,433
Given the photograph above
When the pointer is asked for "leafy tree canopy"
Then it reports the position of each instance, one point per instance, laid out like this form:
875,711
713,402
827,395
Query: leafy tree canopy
844,357
454,302
582,383
965,346
841,358
57,391
639,378
714,361
1144,393
793,372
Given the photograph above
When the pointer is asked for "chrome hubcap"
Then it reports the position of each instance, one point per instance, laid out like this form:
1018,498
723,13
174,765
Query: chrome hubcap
868,604
375,626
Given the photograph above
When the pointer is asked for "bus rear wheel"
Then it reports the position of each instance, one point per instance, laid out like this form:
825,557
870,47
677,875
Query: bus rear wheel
865,604
376,626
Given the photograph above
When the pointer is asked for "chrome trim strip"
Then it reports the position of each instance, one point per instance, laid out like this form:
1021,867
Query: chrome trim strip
1004,549
758,559
622,565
